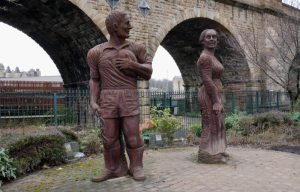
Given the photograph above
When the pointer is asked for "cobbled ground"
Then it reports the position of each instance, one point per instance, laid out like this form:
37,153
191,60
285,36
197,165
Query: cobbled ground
176,170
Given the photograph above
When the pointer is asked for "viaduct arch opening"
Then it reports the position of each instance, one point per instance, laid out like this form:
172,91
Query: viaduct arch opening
64,31
182,42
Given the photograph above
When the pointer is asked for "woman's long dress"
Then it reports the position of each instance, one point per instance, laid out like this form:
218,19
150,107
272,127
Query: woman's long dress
212,139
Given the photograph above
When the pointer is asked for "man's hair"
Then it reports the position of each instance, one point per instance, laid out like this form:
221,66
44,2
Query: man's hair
113,17
203,33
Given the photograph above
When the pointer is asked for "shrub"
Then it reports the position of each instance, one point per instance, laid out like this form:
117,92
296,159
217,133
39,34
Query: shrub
165,123
146,134
196,129
231,120
295,135
264,121
32,153
295,117
261,122
292,133
272,118
7,169
10,136
91,142
246,126
70,135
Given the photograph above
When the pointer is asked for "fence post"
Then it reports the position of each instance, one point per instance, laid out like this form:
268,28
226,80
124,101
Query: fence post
252,104
270,100
257,101
164,100
55,108
277,100
232,103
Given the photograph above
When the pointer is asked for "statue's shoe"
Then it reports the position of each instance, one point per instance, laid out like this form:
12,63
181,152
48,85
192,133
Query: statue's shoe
107,174
137,174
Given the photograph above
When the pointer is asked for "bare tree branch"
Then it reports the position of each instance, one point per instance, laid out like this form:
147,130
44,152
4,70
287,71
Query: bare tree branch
281,63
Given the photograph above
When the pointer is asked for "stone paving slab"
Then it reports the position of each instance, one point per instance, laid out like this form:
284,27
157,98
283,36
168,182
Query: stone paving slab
176,170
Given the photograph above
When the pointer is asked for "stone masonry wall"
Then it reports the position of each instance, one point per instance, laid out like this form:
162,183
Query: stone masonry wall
236,16
67,29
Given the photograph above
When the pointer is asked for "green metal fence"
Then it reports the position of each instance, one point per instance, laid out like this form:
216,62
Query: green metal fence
246,101
69,107
72,106
185,105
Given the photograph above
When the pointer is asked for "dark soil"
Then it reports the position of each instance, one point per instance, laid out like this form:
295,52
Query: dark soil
286,148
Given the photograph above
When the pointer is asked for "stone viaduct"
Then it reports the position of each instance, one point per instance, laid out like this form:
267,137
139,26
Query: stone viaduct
67,29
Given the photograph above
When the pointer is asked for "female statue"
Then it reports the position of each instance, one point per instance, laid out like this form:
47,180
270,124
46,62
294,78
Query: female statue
212,142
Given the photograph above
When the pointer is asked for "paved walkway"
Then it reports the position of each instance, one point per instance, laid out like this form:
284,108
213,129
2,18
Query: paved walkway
172,170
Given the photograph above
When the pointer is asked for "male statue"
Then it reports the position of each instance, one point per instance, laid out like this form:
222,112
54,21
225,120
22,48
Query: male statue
115,67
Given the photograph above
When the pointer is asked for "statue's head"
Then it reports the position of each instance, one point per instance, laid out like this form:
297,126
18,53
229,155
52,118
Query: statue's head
117,22
209,38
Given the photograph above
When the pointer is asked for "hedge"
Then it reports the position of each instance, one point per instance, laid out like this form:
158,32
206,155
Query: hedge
31,153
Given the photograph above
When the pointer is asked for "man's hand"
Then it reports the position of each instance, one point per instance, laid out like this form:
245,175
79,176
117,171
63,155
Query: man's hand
96,109
125,64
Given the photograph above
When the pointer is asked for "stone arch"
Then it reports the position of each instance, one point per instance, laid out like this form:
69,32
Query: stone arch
94,14
180,39
63,30
191,13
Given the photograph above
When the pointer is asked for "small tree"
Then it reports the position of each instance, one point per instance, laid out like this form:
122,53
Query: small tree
165,122
281,61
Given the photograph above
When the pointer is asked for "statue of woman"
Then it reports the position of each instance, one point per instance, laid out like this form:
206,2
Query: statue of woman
212,142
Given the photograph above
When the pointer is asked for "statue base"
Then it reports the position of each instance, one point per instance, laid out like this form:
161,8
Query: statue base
205,157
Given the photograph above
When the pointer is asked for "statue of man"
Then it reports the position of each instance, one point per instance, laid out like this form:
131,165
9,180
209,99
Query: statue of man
115,67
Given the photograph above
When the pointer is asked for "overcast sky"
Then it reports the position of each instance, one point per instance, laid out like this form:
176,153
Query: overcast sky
294,3
19,50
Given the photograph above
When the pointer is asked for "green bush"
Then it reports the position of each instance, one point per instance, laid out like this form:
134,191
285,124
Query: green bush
8,138
70,135
146,134
165,123
261,122
269,119
231,120
7,169
32,153
295,117
196,129
246,127
91,143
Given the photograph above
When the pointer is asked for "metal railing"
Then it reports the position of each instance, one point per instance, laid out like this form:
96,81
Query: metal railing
71,107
